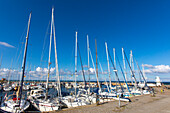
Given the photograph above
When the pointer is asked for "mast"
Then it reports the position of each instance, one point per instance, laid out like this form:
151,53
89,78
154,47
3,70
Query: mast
82,67
75,64
140,72
110,85
94,68
133,75
49,62
124,64
132,61
98,84
115,70
88,59
56,61
123,73
114,56
131,66
24,60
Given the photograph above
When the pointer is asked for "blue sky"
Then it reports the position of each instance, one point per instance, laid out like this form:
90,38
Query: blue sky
142,26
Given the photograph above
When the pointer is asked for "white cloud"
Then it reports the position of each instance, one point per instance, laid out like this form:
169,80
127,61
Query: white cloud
92,70
6,44
158,69
4,72
65,72
42,73
148,66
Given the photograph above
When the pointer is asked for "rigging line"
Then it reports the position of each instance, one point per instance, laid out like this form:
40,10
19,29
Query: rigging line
10,70
122,72
103,73
43,50
133,75
94,67
140,71
115,71
44,44
21,40
81,65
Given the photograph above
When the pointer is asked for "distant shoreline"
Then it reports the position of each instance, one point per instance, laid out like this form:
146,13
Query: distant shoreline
165,83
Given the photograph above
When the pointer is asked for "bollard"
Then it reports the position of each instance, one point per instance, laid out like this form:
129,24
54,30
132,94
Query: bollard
119,101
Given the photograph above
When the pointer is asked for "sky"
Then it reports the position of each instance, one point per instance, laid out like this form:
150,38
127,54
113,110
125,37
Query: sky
141,26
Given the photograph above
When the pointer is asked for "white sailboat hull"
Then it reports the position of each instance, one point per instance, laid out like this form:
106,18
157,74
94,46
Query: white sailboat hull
71,101
12,106
45,107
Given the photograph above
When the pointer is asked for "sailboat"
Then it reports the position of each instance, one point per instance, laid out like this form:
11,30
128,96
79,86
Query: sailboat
119,93
15,102
80,98
110,93
135,91
40,99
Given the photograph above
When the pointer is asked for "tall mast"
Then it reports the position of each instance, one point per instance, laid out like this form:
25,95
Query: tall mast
124,64
131,66
114,56
82,67
49,62
56,61
88,59
133,75
75,63
140,72
24,60
94,68
115,70
132,61
122,73
98,84
108,64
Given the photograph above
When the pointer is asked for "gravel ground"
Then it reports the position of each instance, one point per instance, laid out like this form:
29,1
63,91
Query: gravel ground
140,104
